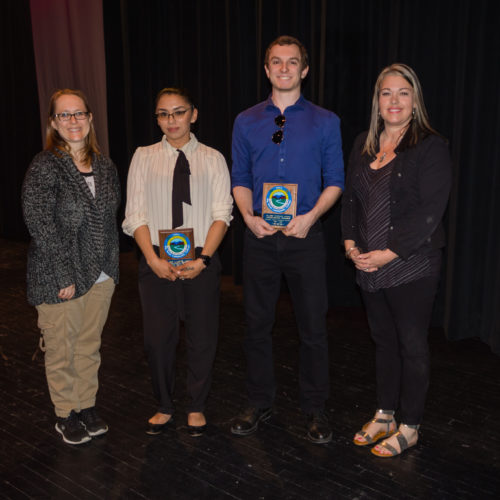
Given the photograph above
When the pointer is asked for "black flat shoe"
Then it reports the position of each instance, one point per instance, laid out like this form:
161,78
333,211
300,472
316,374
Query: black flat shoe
155,429
318,428
196,430
247,422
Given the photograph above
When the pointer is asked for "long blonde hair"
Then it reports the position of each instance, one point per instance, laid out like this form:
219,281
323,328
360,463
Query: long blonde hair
419,126
55,143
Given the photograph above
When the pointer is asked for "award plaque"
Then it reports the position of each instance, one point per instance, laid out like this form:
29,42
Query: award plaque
279,204
176,245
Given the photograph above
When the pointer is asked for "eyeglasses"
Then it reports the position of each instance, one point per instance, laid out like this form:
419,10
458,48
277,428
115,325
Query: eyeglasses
277,137
79,115
164,115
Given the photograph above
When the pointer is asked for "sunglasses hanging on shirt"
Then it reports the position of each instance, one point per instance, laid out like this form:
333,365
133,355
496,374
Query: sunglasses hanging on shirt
277,137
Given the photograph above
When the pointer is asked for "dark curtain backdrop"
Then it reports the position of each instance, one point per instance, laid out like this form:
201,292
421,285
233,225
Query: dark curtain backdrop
20,134
215,49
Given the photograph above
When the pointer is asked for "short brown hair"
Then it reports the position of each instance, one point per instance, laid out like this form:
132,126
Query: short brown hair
288,40
55,143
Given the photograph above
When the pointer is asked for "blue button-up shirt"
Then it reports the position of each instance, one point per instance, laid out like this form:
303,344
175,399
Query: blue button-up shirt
310,154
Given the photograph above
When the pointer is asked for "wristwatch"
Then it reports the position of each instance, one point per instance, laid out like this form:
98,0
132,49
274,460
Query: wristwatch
206,259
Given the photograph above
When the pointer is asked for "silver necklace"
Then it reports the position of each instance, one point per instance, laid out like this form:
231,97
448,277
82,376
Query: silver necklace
384,153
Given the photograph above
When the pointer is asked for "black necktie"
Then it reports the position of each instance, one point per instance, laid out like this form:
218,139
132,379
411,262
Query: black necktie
180,188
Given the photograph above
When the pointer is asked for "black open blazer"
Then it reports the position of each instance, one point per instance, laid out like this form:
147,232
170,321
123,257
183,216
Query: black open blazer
419,188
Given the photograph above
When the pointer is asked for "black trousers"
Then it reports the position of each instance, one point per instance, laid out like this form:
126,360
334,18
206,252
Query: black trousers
164,303
302,262
399,320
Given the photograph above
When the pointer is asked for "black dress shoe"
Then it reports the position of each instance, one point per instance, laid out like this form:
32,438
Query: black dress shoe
247,422
154,429
318,428
196,430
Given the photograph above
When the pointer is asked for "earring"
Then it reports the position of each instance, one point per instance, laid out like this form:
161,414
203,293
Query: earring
413,113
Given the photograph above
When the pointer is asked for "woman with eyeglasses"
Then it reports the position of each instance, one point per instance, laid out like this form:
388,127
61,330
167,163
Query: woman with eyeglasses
70,197
397,189
178,183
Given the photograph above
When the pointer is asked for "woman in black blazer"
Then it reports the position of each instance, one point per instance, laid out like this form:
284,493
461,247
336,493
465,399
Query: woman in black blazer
397,188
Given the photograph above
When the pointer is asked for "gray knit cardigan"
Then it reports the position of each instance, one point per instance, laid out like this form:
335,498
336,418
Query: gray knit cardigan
74,235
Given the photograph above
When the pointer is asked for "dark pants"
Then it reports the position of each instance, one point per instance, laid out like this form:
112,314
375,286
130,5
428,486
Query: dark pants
164,303
302,262
399,320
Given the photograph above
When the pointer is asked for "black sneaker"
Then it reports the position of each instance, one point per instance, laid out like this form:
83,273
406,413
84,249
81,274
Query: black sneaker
71,430
92,422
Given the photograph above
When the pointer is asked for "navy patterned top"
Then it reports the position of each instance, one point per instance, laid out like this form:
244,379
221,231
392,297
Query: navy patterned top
374,196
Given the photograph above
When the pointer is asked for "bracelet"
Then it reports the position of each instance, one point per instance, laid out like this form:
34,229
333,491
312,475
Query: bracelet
349,250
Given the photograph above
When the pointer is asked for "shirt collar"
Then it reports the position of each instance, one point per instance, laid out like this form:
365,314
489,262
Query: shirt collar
188,148
300,103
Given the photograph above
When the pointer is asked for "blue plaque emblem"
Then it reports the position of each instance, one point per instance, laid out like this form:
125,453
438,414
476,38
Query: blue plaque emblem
177,245
278,199
279,203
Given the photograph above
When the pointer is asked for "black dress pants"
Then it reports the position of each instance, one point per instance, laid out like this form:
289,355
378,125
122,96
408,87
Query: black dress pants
164,303
302,262
399,320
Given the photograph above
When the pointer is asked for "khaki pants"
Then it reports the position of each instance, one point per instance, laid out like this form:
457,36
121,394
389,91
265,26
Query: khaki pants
72,335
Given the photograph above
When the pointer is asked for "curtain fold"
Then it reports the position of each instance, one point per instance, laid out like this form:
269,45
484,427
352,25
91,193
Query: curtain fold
68,39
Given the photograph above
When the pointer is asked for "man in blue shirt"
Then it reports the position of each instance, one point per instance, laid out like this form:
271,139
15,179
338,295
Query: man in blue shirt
286,140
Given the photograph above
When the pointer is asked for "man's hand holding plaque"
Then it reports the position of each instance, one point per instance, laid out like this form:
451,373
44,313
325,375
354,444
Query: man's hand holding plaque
299,226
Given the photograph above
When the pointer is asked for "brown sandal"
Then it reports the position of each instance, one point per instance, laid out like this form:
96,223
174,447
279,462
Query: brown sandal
402,441
368,440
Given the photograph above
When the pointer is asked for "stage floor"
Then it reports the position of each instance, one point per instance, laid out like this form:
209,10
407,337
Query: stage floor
457,457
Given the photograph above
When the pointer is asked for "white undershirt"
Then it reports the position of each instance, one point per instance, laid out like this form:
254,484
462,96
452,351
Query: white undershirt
90,180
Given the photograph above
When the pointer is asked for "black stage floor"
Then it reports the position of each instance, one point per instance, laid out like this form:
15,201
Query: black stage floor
457,456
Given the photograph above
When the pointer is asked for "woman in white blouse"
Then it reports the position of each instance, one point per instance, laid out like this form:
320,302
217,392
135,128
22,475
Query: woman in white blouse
190,291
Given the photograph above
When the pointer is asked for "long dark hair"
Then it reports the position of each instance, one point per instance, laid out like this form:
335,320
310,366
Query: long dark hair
175,91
